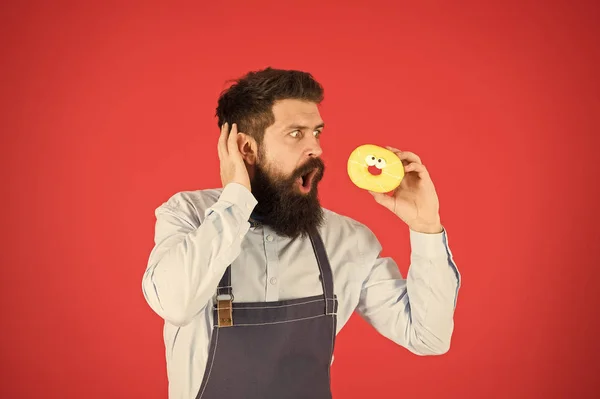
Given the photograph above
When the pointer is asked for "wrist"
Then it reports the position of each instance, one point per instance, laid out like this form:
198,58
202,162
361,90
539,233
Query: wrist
428,228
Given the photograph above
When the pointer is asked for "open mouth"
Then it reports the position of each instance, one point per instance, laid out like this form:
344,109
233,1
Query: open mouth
374,170
305,181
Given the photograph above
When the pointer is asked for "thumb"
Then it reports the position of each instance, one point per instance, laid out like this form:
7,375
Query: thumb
383,199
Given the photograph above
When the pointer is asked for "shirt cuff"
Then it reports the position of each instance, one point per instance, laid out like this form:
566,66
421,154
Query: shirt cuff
427,245
237,194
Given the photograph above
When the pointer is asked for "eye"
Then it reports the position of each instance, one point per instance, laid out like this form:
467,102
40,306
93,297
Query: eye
295,133
380,163
370,160
317,133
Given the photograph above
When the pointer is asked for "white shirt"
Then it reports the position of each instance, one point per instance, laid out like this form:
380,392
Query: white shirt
199,233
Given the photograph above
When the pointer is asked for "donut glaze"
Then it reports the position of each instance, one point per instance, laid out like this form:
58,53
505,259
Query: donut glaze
375,168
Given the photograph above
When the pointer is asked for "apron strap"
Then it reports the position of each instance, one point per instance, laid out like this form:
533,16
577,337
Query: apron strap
325,270
224,287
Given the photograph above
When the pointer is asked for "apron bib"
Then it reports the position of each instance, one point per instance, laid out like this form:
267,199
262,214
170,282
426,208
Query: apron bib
279,349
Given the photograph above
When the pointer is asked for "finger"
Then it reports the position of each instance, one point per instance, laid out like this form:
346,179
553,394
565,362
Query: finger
410,157
397,152
383,199
221,146
418,168
232,141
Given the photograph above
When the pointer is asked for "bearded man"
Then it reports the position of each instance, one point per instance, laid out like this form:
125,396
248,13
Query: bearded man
255,279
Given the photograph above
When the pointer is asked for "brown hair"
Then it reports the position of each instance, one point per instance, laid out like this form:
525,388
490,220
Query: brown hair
249,101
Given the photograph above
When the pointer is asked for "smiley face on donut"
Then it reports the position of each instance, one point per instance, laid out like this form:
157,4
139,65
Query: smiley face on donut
375,168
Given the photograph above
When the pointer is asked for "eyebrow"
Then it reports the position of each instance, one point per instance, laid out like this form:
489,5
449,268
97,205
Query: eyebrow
304,127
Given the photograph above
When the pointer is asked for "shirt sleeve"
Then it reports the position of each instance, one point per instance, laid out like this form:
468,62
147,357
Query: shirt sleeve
188,260
417,312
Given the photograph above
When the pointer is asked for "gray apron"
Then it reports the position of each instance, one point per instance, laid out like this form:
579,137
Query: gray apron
280,349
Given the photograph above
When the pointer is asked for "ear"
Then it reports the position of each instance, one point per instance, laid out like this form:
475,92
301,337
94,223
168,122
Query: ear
248,148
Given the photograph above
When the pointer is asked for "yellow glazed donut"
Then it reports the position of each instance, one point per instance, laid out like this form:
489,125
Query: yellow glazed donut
375,168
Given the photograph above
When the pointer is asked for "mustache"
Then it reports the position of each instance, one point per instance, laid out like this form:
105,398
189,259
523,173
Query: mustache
311,164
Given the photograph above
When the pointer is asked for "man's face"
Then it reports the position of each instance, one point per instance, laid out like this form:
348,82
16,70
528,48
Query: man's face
289,168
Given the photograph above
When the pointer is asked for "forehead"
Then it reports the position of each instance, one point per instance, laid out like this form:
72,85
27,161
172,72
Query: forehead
295,112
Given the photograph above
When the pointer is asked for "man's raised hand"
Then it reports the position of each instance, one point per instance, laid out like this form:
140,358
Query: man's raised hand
233,168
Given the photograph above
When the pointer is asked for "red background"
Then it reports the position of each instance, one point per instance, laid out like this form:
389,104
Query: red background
107,110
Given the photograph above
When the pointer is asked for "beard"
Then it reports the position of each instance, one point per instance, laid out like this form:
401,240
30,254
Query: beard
281,205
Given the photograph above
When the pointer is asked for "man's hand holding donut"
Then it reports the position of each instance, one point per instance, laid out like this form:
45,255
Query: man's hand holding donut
415,201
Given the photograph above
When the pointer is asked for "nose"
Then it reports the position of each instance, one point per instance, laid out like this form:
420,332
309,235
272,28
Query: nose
314,149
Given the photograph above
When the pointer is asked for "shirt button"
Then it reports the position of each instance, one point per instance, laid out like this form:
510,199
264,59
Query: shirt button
273,280
269,238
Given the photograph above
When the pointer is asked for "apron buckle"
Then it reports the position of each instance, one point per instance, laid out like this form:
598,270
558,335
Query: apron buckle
225,311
